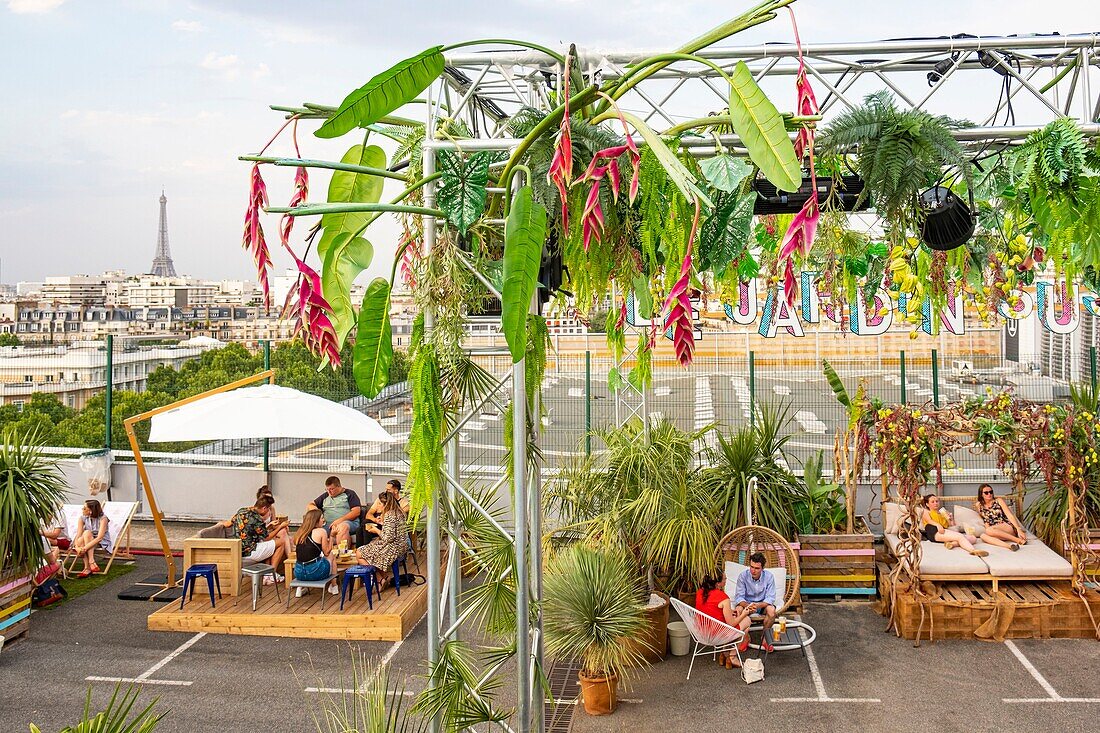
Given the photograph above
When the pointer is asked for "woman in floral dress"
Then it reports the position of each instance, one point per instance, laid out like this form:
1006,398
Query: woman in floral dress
392,542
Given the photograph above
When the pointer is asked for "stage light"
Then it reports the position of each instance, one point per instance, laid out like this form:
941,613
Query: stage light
948,222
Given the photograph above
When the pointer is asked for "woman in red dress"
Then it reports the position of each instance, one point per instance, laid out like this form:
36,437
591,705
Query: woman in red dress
713,601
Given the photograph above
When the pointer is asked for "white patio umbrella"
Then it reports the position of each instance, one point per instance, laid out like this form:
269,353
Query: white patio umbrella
267,411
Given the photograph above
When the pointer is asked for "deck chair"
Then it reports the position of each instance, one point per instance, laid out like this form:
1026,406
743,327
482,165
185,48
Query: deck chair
707,632
119,515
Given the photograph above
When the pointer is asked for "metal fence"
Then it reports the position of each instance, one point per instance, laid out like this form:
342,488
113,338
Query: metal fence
725,386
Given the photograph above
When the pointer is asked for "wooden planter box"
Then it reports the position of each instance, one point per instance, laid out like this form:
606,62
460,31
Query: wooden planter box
15,605
838,564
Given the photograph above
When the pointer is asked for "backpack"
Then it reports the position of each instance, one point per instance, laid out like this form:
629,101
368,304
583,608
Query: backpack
47,594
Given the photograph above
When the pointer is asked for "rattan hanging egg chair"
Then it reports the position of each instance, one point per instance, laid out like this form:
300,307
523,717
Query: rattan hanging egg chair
742,542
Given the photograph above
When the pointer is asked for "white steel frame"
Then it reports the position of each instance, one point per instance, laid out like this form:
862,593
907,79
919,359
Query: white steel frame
1049,76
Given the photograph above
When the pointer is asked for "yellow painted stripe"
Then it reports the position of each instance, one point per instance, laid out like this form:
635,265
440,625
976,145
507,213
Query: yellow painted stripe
15,607
807,577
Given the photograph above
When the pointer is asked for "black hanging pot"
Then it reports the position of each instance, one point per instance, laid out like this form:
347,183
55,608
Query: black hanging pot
948,221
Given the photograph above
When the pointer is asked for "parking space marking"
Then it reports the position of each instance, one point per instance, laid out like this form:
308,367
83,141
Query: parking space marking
819,683
1052,694
143,678
385,660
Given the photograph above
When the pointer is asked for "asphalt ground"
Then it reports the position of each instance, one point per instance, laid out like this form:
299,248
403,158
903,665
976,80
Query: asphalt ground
866,679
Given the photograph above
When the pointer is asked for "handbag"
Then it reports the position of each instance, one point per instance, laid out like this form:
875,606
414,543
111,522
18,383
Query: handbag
752,670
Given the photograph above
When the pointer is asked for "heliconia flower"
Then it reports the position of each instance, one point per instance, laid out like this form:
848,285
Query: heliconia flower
592,224
798,238
301,191
253,240
312,311
561,165
678,304
807,103
410,257
621,323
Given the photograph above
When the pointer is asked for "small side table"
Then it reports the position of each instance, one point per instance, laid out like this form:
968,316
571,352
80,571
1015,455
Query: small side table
257,572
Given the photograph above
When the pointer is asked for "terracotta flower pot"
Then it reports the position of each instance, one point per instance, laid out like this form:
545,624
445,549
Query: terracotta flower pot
600,694
652,643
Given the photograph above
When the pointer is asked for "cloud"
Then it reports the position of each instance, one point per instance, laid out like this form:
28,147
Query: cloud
188,26
230,67
33,6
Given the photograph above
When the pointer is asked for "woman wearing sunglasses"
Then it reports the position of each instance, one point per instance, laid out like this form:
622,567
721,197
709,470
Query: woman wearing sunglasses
1002,528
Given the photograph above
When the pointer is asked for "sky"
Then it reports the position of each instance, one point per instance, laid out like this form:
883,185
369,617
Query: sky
111,101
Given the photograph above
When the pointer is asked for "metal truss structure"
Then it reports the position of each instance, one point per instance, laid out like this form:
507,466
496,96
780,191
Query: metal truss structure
1010,85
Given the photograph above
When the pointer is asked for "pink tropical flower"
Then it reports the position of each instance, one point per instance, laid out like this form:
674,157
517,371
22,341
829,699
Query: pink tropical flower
298,197
312,320
592,219
410,257
799,239
678,304
806,103
605,165
253,240
561,165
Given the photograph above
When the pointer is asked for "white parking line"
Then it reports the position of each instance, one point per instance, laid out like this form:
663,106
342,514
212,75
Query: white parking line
1052,694
385,660
819,684
143,678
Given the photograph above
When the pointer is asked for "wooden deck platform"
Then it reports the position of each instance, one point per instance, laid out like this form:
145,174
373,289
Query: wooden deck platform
391,619
1039,610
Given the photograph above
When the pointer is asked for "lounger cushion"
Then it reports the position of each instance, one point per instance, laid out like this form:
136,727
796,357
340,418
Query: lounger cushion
1032,559
891,514
967,517
936,559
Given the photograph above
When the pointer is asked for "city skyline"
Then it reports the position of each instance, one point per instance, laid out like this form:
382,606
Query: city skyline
128,98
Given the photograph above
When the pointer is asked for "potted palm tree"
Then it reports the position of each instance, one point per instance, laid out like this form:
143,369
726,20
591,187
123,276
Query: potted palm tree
592,608
32,490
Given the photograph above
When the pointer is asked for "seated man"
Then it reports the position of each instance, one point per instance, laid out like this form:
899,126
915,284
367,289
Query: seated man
755,593
374,514
260,542
341,508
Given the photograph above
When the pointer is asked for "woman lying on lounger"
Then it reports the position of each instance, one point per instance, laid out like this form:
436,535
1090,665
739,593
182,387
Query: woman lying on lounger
1001,525
934,522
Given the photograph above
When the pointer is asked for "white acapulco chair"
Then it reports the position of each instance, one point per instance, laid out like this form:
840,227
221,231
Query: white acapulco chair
707,632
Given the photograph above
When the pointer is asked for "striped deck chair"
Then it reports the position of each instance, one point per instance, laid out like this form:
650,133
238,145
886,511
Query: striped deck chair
119,515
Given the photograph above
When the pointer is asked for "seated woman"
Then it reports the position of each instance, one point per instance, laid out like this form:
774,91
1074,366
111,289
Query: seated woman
713,601
934,522
315,555
93,532
393,538
1001,525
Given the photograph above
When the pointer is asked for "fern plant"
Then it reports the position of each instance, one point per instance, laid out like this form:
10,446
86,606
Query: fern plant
898,153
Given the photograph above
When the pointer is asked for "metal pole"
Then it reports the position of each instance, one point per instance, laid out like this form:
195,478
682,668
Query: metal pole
267,441
454,577
433,513
519,484
1092,369
588,403
535,507
935,378
902,362
110,390
752,388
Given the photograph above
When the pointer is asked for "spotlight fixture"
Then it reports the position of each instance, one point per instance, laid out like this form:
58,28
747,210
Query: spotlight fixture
948,222
843,197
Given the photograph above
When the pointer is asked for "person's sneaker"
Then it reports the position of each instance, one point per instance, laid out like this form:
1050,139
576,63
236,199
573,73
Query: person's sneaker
299,592
333,589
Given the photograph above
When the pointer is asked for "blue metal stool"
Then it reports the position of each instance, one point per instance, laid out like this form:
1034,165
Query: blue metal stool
366,574
396,577
205,570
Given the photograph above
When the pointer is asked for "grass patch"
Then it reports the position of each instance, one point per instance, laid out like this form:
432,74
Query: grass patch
77,587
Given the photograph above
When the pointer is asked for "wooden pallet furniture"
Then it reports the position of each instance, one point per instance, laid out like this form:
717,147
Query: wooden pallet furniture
837,564
217,545
1040,610
15,605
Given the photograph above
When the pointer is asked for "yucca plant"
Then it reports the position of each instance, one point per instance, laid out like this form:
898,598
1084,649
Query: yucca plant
755,451
115,718
592,608
32,489
369,704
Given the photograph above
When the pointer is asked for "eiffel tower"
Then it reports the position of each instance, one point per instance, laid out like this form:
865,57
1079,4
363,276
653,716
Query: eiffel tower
162,262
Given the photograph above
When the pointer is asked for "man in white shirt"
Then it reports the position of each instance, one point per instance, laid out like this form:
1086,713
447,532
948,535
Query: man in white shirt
755,594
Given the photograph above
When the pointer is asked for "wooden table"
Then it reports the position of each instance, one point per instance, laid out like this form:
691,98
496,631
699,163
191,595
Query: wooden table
343,562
